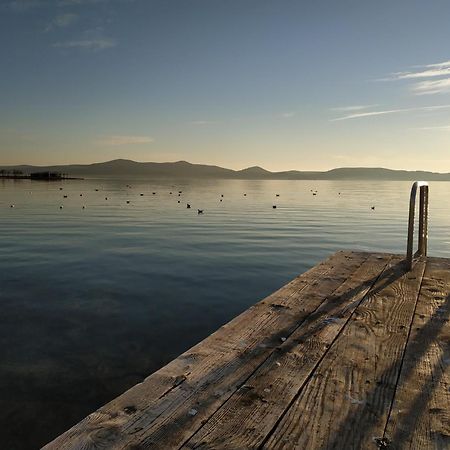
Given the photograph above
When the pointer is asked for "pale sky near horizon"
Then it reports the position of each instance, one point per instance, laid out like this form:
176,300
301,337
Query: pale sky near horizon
307,85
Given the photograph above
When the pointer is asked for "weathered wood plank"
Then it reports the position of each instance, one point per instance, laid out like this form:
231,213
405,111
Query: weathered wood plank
420,416
188,391
346,402
249,415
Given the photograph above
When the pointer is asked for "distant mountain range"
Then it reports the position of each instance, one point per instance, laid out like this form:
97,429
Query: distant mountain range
183,169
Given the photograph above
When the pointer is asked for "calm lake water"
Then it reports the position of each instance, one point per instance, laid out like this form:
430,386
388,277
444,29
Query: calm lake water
93,300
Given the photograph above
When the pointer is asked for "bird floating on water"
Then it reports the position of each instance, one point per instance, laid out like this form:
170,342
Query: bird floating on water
199,211
65,196
188,206
12,206
141,194
274,206
373,207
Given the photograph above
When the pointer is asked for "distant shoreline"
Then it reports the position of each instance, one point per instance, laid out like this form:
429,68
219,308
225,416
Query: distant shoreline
184,169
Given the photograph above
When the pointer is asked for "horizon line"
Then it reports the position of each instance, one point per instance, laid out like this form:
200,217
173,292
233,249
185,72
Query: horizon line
215,165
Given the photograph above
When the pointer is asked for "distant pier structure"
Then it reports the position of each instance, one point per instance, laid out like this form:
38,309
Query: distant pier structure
43,176
48,176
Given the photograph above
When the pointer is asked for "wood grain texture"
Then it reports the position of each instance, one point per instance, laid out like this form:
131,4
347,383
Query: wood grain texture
177,399
420,416
346,402
249,415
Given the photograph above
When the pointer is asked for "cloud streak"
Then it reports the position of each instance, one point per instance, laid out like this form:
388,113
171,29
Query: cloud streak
62,21
390,111
352,108
432,87
429,71
424,78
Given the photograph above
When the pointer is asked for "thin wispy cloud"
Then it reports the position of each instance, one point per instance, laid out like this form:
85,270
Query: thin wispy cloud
352,108
427,74
124,140
390,111
288,115
369,114
432,87
93,39
62,21
428,71
87,44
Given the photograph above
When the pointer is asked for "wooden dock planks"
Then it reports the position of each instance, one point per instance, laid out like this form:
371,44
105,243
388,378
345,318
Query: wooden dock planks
420,416
250,414
318,364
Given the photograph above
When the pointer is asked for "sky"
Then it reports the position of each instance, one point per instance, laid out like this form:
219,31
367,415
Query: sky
282,84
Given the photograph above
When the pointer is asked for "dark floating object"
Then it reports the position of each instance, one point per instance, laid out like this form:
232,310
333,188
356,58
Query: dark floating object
128,201
81,195
96,190
220,199
180,192
339,193
179,195
179,201
65,196
314,193
61,207
199,211
106,198
154,193
274,206
60,189
141,195
277,195
373,207
188,206
245,195
170,193
11,206
222,195
84,207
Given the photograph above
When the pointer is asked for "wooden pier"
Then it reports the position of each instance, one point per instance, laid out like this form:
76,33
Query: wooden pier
353,354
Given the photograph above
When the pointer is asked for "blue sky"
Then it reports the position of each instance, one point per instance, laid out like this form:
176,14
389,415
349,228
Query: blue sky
282,84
